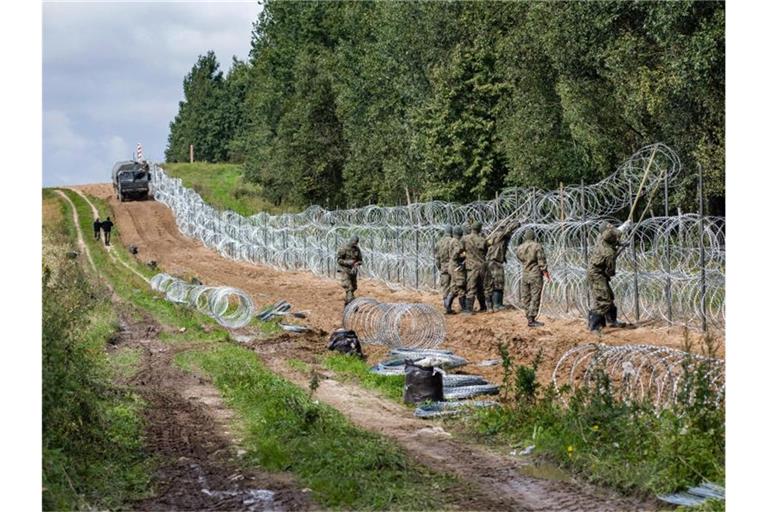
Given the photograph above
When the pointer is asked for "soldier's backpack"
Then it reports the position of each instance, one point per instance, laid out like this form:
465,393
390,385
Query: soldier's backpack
346,342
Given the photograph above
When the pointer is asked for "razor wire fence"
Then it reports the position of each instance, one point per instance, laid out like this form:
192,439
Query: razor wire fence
674,270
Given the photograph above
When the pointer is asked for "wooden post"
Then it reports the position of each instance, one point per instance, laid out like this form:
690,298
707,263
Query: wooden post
191,153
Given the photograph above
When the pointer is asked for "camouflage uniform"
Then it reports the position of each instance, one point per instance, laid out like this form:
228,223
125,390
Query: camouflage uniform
456,267
442,262
602,267
498,243
348,258
531,256
475,249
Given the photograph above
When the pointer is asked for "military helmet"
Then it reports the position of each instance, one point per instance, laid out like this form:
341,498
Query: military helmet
611,235
457,231
354,240
466,229
528,235
477,226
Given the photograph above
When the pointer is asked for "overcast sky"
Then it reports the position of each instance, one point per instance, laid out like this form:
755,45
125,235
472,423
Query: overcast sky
112,77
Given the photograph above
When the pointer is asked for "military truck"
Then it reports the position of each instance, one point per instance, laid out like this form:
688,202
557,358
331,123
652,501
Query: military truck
131,179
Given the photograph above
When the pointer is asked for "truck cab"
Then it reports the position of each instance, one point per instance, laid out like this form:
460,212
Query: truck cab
131,179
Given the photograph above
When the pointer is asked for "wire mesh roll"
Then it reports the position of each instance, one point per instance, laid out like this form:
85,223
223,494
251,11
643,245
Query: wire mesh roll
395,325
639,372
230,307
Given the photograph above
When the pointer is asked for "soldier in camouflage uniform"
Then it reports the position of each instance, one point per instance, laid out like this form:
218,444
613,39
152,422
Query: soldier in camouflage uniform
349,258
602,267
498,243
456,269
475,249
443,263
534,262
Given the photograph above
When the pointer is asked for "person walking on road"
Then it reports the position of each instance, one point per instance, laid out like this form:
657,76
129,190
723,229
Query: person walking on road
531,255
602,267
348,259
498,243
106,227
443,263
97,229
475,249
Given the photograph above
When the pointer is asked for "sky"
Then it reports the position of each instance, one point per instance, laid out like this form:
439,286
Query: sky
112,77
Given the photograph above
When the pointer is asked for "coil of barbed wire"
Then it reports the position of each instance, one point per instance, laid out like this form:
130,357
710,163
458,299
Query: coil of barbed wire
229,306
398,242
395,325
638,372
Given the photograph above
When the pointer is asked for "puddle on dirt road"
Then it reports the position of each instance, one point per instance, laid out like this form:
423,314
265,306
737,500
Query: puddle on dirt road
545,471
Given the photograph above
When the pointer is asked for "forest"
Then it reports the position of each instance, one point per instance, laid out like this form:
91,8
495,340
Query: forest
345,104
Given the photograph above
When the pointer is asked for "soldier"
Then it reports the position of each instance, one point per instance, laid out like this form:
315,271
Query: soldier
602,267
475,249
97,229
534,262
106,227
348,258
456,269
498,243
443,263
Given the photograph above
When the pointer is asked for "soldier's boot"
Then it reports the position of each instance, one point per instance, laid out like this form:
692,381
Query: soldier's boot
349,297
497,296
481,301
533,323
611,318
596,321
469,306
448,304
462,304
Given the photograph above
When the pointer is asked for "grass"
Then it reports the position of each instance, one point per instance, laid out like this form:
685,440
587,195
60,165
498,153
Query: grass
222,186
92,446
625,445
285,430
125,362
357,370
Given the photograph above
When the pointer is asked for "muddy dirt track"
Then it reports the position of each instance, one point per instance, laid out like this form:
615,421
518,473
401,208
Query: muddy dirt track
498,480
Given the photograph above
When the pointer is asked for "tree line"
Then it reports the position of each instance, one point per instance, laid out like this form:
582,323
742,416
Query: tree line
344,104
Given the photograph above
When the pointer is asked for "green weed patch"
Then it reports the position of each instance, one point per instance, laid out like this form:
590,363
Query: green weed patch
357,370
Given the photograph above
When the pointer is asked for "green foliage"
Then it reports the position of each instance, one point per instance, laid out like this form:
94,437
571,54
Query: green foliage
350,367
285,430
350,103
627,445
92,449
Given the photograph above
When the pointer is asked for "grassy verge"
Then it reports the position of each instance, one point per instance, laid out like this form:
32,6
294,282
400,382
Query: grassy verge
286,430
222,186
357,370
92,447
628,446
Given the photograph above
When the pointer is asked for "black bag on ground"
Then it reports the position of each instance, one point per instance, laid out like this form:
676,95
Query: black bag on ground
346,342
422,383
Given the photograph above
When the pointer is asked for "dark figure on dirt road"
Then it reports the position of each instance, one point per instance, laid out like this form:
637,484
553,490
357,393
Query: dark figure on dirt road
602,267
97,229
443,263
349,258
457,270
495,258
106,227
475,249
534,262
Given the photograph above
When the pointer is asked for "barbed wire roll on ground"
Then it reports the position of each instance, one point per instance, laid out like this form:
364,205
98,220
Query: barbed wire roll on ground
398,241
638,372
395,325
230,307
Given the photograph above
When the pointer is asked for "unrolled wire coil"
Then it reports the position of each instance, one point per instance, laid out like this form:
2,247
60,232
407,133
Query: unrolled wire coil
230,307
